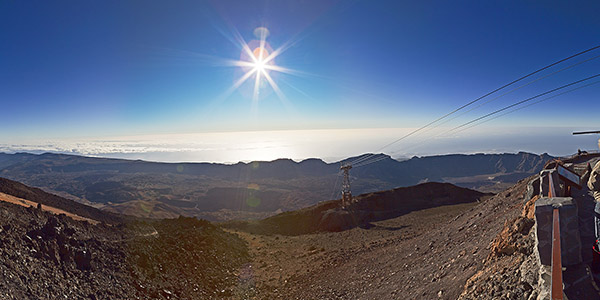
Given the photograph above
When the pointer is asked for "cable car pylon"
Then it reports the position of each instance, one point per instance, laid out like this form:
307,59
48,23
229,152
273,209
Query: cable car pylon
346,191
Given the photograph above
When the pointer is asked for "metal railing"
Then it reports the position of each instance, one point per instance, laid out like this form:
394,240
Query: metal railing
556,291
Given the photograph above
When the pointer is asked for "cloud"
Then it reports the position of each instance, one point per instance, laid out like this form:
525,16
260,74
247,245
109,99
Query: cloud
328,144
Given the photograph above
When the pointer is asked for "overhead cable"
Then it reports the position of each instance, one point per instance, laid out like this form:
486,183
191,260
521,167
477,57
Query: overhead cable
364,163
472,102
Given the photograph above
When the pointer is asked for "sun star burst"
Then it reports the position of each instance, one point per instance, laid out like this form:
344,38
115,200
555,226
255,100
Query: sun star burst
258,61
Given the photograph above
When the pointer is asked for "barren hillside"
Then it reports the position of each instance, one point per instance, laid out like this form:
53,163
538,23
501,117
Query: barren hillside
49,256
424,254
424,242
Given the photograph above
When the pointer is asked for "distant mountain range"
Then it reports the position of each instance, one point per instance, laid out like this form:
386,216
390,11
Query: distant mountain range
248,190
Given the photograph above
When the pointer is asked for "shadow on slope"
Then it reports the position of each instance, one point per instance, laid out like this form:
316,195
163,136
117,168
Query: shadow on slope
20,190
327,216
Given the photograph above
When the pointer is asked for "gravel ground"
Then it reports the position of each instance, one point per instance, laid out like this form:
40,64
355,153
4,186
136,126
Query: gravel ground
45,256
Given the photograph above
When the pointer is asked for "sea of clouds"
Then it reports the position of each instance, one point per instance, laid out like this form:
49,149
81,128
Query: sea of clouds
328,144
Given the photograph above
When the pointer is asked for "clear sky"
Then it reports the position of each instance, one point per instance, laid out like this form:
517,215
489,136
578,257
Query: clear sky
156,79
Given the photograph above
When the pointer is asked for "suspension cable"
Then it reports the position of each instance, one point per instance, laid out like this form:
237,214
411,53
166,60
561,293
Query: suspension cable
500,110
472,102
515,89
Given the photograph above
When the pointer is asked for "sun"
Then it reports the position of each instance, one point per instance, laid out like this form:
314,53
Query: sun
257,61
260,54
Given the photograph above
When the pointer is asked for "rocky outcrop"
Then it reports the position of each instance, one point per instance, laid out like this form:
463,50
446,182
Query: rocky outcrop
46,256
55,241
514,236
510,270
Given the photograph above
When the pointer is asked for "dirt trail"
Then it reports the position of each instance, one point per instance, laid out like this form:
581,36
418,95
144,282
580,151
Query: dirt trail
27,203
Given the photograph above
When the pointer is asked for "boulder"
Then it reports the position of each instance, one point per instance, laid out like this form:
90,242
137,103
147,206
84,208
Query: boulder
337,220
83,259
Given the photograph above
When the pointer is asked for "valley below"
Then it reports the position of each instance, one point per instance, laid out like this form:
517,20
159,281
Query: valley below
415,252
426,241
254,190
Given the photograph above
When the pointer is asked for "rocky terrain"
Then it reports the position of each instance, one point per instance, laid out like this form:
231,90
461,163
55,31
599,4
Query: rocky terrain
253,190
48,256
430,241
512,269
185,258
424,254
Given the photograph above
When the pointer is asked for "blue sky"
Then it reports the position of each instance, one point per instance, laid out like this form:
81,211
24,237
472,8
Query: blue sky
73,71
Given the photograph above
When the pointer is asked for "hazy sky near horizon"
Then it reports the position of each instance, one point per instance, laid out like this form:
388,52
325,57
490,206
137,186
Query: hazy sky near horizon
153,79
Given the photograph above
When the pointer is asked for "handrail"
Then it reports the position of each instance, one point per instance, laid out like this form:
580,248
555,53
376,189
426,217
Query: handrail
551,190
557,280
556,291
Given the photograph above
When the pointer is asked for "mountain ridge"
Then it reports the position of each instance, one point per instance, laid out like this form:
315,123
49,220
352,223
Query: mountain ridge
71,164
254,189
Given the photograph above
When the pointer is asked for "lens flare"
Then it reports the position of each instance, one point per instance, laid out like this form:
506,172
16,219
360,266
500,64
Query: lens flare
257,60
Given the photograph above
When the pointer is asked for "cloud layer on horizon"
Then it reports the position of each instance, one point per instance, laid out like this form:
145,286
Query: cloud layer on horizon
329,144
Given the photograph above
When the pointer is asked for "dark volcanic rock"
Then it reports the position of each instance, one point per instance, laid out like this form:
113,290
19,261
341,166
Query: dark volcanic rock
47,256
83,259
328,216
337,220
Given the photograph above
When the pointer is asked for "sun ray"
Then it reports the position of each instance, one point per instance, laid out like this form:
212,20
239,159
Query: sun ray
297,89
273,85
281,49
249,52
281,69
239,82
278,91
243,78
263,38
256,62
241,63
254,106
244,45
256,84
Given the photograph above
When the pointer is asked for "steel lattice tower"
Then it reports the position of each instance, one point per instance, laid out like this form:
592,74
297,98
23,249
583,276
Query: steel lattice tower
346,192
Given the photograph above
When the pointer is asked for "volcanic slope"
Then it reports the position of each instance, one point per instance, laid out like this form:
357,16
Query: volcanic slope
50,256
405,250
371,207
35,195
512,268
424,253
